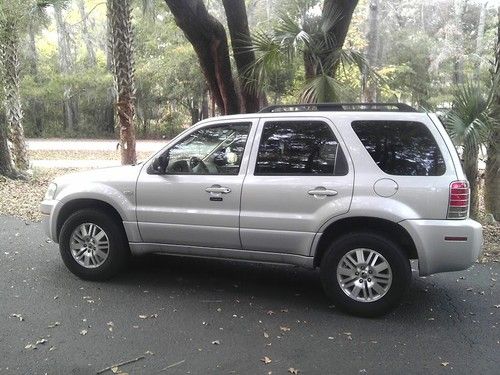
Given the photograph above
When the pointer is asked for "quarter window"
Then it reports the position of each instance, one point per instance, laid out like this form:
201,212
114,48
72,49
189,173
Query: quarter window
401,147
299,148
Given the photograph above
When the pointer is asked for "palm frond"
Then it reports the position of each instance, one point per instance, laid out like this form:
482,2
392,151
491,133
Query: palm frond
321,89
331,16
469,122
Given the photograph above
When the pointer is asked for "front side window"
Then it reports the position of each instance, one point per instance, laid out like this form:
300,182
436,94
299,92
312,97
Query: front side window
211,150
299,148
401,147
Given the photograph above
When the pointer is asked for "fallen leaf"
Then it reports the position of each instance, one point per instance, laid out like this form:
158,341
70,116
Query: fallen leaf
284,329
115,369
292,370
83,332
18,316
266,360
266,335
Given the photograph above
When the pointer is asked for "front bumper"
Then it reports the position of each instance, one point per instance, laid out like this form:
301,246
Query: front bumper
445,245
47,208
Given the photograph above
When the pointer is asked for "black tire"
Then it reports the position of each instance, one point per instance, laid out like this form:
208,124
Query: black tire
399,264
119,252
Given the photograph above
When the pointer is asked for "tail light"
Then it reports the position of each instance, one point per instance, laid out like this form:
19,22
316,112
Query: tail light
458,204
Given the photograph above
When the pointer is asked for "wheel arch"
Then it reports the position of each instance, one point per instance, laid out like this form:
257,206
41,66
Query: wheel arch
392,230
77,204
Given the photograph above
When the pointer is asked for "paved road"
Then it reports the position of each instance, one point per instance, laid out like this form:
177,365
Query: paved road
447,324
84,145
89,144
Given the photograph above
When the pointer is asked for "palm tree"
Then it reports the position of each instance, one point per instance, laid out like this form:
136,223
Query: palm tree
119,16
11,15
311,39
469,124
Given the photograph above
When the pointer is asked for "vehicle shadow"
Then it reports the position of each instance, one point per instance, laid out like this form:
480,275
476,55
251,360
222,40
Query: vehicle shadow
271,285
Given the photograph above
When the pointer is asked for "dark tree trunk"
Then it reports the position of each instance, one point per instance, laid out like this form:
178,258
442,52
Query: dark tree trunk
339,30
237,22
309,66
209,40
204,105
492,181
123,69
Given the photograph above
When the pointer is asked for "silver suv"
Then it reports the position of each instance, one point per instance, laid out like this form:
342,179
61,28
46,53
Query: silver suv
357,190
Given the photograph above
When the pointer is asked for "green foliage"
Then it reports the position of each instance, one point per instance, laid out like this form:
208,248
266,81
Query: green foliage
419,43
470,120
305,38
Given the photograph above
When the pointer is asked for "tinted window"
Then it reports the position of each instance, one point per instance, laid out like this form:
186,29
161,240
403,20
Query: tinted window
210,150
401,147
299,147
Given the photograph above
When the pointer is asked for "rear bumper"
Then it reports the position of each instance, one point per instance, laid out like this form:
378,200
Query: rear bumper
445,245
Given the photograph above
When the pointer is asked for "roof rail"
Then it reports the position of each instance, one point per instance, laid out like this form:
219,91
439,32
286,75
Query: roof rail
337,107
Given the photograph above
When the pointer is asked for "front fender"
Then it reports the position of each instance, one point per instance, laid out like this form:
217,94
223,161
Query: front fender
122,201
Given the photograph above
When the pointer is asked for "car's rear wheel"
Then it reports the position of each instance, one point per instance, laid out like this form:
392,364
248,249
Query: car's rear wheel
365,274
93,245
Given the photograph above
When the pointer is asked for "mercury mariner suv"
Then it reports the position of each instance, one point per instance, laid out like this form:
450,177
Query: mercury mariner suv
356,190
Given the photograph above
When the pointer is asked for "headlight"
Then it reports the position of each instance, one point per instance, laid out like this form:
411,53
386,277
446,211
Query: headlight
51,191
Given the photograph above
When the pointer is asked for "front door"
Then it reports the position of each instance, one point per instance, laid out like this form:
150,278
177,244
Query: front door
298,178
197,201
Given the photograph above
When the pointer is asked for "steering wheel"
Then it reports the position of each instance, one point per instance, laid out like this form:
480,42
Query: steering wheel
195,161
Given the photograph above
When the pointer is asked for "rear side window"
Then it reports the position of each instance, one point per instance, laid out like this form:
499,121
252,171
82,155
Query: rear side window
401,147
299,148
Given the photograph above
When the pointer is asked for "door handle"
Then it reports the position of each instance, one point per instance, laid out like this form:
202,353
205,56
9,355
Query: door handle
218,189
322,192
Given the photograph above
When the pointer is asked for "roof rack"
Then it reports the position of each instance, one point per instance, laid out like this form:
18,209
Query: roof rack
337,107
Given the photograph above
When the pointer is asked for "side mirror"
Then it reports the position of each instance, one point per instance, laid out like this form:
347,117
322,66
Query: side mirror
159,165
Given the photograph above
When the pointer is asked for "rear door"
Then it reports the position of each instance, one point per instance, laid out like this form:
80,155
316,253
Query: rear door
299,176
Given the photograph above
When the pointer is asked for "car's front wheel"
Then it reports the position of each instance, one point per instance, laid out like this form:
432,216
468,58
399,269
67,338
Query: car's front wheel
93,245
365,274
